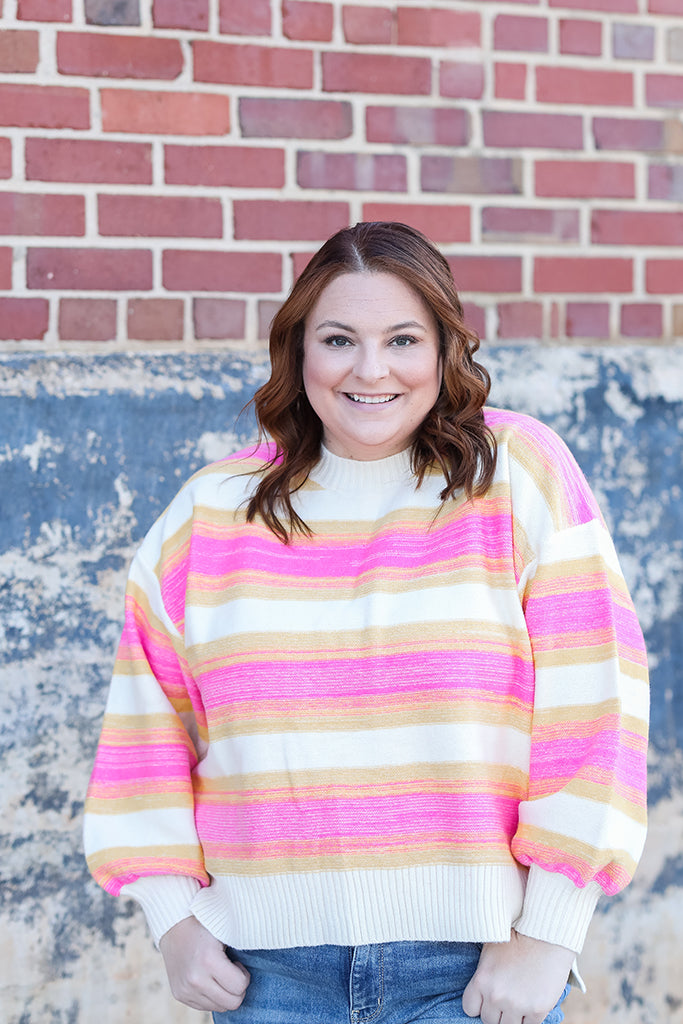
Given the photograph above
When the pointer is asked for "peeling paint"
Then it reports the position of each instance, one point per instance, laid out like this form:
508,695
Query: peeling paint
92,449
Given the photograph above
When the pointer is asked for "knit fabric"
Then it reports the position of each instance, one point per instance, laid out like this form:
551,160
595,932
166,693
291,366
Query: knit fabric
420,722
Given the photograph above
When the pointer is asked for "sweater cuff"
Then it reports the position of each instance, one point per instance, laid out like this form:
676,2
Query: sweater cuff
555,910
165,899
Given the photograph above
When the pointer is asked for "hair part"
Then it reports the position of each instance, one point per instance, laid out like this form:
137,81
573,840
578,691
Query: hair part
453,437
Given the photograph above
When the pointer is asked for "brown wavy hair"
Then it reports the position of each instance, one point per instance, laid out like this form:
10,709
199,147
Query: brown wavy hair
452,437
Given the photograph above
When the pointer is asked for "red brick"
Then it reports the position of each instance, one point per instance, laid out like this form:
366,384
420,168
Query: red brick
584,86
99,54
487,273
418,126
433,27
87,319
249,64
267,308
287,219
44,10
664,90
295,119
24,213
674,45
587,320
520,320
224,166
633,42
663,277
18,51
579,274
164,113
5,268
585,179
5,158
628,134
461,80
582,38
516,130
189,14
307,20
155,319
637,227
364,172
377,73
219,319
185,270
160,216
514,223
475,316
616,6
89,160
512,32
90,269
440,223
479,175
106,12
299,261
23,319
367,25
665,181
665,6
641,320
510,81
245,17
677,320
43,106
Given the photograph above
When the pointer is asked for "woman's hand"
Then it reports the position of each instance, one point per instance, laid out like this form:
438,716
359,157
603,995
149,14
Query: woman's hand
199,972
519,980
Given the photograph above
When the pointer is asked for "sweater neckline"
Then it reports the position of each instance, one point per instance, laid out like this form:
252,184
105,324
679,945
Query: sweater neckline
346,474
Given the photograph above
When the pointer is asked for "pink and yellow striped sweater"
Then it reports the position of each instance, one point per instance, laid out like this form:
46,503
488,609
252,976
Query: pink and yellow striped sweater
415,724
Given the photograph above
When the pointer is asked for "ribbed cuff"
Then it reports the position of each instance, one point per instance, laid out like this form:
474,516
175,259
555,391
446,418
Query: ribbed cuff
555,910
165,899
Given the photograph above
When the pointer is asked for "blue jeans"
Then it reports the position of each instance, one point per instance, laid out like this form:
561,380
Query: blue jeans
390,983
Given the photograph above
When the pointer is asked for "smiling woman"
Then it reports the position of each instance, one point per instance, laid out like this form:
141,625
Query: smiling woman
375,279
376,736
372,364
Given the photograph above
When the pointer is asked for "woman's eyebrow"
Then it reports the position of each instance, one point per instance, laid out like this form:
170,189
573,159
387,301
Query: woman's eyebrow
335,323
389,330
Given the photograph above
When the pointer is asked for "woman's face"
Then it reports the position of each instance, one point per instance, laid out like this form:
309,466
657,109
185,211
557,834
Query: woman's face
372,367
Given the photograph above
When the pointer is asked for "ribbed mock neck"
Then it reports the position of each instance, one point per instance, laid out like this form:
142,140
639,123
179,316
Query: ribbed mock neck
347,474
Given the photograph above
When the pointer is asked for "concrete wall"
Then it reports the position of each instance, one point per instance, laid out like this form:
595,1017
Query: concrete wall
91,449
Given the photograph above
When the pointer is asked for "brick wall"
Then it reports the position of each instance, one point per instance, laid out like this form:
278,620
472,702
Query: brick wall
167,168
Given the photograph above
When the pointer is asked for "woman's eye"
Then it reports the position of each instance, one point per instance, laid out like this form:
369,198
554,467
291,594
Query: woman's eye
403,340
337,341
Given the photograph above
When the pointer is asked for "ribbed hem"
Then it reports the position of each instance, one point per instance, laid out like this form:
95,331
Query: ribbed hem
457,903
165,899
350,474
555,910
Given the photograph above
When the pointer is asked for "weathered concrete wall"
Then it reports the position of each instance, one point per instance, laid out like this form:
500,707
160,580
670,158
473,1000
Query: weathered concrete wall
91,449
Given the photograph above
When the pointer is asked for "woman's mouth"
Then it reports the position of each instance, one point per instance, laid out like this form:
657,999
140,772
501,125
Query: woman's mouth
370,399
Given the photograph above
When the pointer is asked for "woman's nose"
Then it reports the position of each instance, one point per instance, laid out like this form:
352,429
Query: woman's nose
371,363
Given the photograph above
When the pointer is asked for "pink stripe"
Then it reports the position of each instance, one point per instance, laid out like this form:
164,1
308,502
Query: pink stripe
468,539
463,814
486,675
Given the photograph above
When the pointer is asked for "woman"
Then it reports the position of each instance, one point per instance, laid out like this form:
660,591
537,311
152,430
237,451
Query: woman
377,724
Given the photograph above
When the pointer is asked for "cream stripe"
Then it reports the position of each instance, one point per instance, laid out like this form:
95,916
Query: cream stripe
584,820
319,751
285,642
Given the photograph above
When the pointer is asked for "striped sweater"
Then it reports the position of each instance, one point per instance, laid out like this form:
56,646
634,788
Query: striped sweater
417,723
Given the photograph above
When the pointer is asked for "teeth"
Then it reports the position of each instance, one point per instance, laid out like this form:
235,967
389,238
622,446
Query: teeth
372,399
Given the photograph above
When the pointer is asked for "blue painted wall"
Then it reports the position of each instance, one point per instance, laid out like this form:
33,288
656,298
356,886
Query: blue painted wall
91,450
